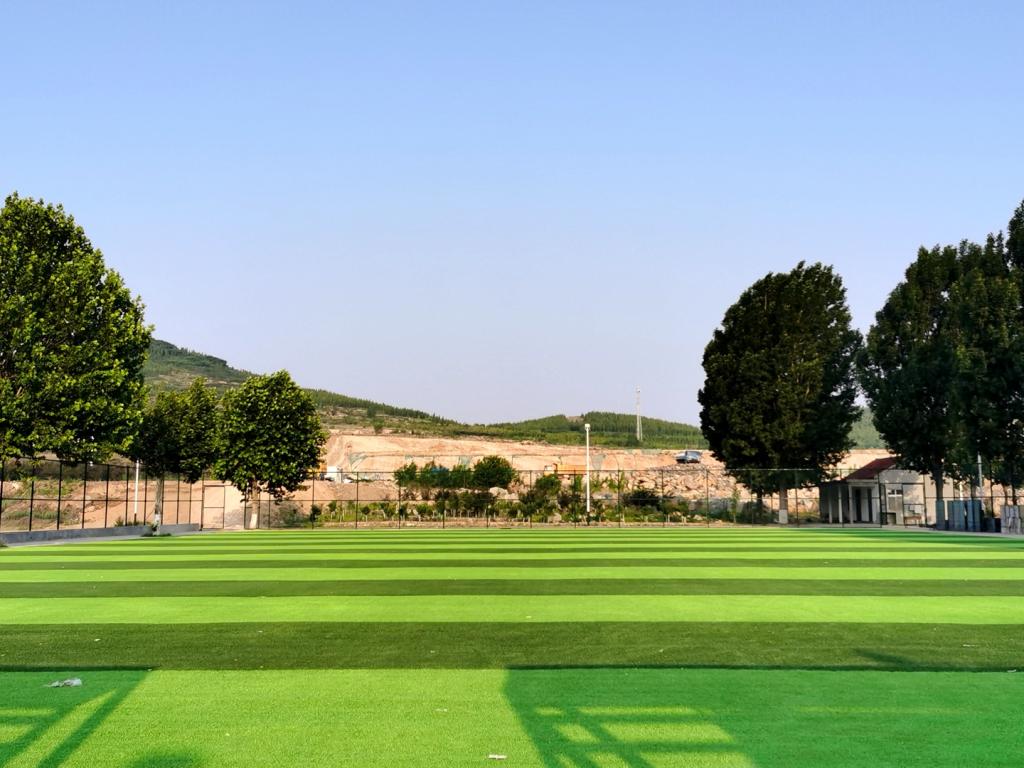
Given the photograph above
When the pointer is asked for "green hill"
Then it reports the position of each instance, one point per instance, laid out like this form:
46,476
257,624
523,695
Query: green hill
172,367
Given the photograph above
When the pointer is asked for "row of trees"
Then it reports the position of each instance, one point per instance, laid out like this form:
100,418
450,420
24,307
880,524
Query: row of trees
488,472
73,343
941,369
265,436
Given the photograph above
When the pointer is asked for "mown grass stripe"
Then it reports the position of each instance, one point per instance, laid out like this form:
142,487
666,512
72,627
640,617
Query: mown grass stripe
651,572
317,645
620,586
72,553
625,562
516,608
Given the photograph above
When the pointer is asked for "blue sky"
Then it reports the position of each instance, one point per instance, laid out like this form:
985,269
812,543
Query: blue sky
496,211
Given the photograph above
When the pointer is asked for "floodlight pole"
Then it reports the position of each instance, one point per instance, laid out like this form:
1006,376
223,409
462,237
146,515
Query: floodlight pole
586,430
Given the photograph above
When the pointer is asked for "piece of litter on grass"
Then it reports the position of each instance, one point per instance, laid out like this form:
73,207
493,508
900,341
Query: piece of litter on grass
968,645
71,682
497,757
441,709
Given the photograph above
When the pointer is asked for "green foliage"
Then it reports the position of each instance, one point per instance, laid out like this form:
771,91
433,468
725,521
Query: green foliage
987,322
179,433
944,360
642,497
863,433
171,367
493,472
906,368
779,390
270,437
72,340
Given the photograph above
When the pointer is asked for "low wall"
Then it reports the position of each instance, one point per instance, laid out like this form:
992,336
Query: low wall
68,534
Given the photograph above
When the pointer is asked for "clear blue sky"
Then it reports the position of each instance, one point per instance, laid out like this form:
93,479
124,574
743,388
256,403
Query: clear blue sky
494,210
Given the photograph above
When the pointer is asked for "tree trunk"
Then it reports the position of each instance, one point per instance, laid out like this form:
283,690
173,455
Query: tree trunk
158,504
783,502
254,509
938,478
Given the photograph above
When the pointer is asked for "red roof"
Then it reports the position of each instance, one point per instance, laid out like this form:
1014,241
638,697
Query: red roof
873,469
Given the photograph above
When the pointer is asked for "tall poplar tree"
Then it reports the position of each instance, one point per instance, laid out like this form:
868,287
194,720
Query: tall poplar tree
779,394
908,368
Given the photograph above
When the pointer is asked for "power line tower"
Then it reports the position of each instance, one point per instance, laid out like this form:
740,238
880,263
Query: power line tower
639,422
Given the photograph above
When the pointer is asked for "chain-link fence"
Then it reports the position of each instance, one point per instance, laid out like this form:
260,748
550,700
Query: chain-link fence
41,494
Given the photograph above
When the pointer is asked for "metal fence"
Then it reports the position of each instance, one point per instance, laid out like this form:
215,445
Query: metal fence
40,494
48,494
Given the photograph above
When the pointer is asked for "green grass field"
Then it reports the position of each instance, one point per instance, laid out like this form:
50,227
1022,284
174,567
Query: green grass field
560,649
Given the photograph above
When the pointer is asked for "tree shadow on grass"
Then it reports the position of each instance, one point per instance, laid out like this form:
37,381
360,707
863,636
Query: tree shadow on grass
605,718
42,727
731,718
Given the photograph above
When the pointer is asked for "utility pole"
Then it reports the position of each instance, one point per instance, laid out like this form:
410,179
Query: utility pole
639,423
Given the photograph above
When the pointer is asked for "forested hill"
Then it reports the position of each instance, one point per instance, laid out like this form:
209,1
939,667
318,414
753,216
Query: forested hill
172,367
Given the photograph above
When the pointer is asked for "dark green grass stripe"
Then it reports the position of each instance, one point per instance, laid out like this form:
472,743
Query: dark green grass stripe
74,553
625,562
477,646
512,587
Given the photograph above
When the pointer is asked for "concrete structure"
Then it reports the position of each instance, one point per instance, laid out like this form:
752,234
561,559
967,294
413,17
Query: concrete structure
69,534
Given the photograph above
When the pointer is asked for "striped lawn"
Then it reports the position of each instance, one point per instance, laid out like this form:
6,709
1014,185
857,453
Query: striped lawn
590,648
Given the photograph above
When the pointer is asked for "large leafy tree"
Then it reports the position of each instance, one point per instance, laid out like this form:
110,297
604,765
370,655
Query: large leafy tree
908,367
987,325
178,435
779,393
269,438
72,340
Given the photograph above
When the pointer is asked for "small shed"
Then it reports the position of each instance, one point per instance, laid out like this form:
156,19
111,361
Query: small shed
878,493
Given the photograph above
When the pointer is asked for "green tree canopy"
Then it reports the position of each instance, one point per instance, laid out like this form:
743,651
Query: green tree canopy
907,368
493,472
780,389
269,437
944,360
72,340
179,432
178,435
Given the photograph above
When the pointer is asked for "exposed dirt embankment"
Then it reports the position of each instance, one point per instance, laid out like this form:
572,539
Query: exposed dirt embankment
385,453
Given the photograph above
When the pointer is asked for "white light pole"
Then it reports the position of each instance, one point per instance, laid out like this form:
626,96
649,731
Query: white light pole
586,430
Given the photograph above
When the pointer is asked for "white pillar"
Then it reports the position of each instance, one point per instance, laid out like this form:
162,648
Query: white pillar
586,429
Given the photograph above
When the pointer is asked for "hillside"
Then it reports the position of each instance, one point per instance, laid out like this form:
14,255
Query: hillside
172,367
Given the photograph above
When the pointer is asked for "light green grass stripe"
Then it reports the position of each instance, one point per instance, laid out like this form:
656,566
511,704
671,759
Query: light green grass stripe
516,608
43,555
512,574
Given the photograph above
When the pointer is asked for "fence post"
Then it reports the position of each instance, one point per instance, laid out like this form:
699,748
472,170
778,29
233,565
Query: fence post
357,499
106,498
3,468
31,500
202,503
60,487
85,489
707,496
661,499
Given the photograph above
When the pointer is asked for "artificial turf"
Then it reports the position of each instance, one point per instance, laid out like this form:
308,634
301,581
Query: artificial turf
585,648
